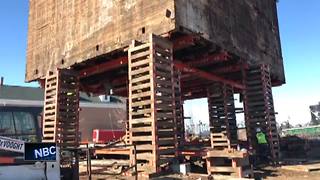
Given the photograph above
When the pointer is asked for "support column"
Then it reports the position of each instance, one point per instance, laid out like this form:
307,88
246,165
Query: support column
152,104
259,109
61,118
222,117
179,109
223,158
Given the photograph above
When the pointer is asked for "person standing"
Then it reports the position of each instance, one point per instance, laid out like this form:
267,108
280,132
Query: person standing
262,147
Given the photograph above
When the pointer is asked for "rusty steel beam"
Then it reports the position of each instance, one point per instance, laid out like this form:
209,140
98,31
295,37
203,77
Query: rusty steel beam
123,61
100,68
184,41
210,76
194,95
210,58
230,69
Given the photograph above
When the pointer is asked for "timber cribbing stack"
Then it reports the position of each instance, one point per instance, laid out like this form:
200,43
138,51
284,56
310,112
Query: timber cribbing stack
223,125
259,108
223,158
61,115
152,104
179,109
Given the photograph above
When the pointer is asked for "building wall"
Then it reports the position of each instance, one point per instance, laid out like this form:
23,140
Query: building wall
247,28
65,32
71,30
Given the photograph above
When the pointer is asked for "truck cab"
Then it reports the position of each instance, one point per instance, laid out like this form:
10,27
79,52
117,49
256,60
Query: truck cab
19,123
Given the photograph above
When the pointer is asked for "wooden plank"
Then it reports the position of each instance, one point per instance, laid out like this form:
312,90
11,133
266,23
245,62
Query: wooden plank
165,142
141,103
142,62
226,154
140,47
141,129
140,86
163,68
141,95
165,90
141,120
143,54
140,71
146,156
221,169
164,115
140,79
141,138
166,151
140,112
145,147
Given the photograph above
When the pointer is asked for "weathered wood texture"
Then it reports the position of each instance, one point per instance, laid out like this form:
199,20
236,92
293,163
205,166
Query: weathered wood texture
230,163
61,116
222,117
152,110
259,109
65,32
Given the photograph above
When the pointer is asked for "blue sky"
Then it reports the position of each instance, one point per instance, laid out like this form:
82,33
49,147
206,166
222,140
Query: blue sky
300,37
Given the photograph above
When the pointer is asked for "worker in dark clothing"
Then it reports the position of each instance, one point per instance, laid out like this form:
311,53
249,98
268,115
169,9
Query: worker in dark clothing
263,147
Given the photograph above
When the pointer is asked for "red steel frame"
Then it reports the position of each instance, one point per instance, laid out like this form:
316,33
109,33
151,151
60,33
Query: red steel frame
123,61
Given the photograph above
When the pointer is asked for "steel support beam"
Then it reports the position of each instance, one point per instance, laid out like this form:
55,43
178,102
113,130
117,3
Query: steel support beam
209,76
109,65
210,58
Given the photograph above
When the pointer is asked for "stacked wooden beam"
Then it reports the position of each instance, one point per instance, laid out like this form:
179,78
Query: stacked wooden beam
259,109
152,104
179,109
229,163
61,114
223,158
222,117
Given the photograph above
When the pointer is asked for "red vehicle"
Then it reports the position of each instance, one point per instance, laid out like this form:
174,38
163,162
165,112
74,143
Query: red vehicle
102,136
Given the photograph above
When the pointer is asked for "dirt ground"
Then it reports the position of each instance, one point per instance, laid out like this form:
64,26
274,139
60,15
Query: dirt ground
271,173
266,173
